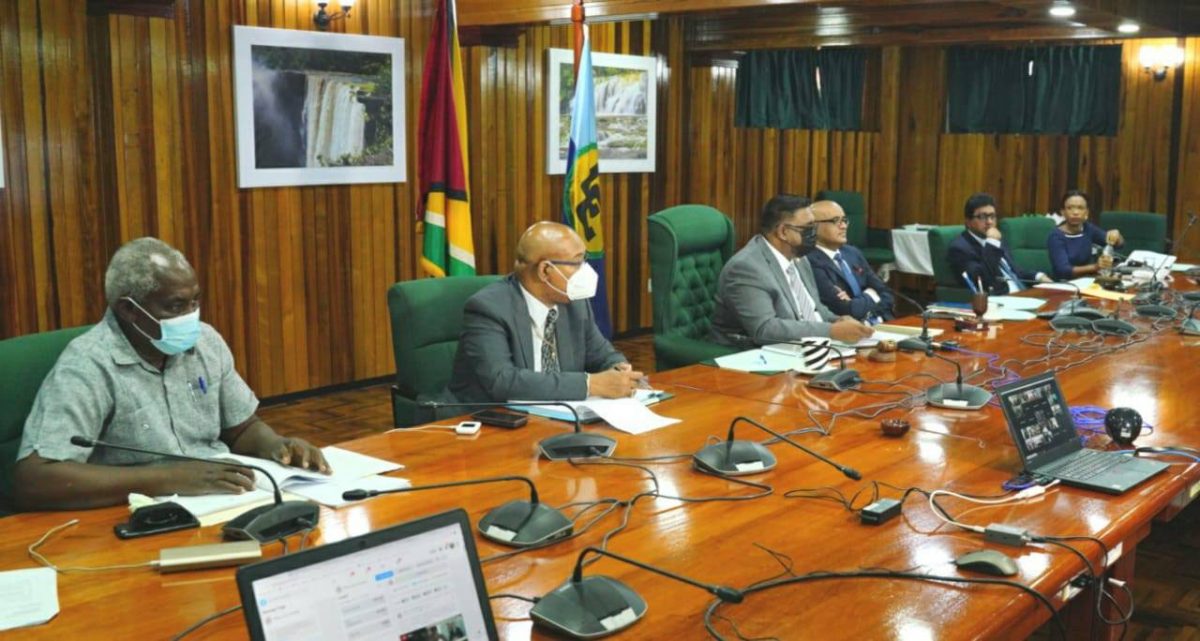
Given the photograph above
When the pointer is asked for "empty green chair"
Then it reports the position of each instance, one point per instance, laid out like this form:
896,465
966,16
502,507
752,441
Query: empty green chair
426,321
689,245
1141,230
1026,237
27,360
950,287
876,244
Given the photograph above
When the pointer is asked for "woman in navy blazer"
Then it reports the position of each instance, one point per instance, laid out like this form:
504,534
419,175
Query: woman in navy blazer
1073,244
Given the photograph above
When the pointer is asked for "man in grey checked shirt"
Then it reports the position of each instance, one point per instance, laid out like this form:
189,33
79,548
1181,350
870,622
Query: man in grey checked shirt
149,375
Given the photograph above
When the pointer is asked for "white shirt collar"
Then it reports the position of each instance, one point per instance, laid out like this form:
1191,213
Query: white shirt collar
537,311
829,252
784,263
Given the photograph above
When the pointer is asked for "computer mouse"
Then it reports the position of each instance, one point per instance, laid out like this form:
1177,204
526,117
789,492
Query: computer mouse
991,562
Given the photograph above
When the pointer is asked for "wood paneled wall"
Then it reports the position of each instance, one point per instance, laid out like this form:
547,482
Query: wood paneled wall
120,126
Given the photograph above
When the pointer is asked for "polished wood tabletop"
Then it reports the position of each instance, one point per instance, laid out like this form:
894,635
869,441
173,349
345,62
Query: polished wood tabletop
728,542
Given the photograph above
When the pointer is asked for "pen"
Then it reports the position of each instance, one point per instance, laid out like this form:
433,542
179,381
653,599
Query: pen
203,386
970,285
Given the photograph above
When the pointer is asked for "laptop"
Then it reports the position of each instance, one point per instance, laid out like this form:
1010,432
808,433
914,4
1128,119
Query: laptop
417,581
1040,422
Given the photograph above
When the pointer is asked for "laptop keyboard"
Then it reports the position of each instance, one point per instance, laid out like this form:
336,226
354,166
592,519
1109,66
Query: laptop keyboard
1086,464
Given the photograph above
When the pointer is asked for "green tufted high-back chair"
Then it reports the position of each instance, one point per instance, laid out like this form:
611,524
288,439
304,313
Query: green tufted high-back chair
950,287
24,363
875,244
1026,237
426,321
1141,230
689,245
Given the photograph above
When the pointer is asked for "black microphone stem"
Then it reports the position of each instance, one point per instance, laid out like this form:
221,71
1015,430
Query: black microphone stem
848,471
356,495
726,594
956,364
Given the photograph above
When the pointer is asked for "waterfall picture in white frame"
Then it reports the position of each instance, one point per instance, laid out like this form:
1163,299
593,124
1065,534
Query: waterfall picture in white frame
318,108
626,97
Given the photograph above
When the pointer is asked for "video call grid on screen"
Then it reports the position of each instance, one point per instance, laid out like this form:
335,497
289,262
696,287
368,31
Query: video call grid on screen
419,588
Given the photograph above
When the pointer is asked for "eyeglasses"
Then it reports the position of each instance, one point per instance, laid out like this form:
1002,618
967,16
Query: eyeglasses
573,263
799,228
984,217
840,220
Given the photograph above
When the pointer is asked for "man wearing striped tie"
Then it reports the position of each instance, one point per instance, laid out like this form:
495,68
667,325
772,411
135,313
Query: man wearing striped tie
766,292
981,257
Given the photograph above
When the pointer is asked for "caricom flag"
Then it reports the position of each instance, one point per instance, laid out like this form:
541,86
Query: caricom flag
581,192
444,180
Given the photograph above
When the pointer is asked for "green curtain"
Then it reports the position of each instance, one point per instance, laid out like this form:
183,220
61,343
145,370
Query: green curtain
1072,90
778,89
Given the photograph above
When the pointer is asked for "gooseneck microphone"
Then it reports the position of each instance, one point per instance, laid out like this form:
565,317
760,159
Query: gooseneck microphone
957,395
733,457
578,444
264,523
1151,297
516,523
1191,326
592,606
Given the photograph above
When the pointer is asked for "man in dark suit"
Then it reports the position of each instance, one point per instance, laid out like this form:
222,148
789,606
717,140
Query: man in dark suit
981,256
532,336
845,281
766,292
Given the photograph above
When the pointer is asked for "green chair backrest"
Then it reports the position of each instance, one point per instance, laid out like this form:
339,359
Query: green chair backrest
26,360
855,207
689,245
950,287
426,321
1026,236
1141,230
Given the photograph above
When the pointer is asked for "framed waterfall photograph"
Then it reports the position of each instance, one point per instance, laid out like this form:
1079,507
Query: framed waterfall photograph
318,108
626,96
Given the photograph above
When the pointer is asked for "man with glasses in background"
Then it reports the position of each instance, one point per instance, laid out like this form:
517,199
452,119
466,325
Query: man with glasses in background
532,336
981,258
767,293
845,280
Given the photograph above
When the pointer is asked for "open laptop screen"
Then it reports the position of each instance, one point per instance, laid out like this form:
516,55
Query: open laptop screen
1039,419
418,581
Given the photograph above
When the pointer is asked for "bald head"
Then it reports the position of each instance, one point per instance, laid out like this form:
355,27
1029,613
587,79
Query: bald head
548,253
831,227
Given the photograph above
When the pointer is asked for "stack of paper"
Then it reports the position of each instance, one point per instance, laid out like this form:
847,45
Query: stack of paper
27,597
626,414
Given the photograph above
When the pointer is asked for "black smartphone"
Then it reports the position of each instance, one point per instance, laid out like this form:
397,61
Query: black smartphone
156,519
501,418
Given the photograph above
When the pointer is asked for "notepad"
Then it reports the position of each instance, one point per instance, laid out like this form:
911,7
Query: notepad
626,414
27,597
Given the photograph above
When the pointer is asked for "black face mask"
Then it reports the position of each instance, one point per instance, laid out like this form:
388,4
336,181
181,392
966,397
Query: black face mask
808,241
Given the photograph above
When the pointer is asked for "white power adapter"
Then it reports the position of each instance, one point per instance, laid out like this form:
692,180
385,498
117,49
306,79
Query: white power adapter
468,428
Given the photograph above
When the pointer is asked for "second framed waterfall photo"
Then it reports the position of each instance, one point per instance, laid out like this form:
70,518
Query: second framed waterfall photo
318,108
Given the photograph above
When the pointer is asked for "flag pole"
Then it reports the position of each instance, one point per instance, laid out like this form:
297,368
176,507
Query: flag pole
577,20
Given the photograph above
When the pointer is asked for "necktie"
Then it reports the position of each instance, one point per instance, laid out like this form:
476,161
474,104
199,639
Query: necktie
847,274
803,302
550,343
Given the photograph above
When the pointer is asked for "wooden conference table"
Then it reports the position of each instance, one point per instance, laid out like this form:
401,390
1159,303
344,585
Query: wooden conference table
718,542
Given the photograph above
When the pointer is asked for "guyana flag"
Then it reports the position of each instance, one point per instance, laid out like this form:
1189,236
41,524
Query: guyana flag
445,201
581,190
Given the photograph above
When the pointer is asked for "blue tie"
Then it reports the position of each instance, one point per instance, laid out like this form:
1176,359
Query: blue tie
847,274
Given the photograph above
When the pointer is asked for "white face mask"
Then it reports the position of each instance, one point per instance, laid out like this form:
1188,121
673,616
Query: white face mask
581,285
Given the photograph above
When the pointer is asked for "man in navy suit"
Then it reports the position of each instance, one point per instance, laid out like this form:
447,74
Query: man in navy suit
845,281
982,255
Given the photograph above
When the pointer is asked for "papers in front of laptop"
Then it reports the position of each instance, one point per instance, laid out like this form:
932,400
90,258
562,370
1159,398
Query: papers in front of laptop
626,414
1152,260
1081,283
27,597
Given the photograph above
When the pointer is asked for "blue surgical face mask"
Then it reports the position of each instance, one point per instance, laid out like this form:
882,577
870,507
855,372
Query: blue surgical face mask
179,334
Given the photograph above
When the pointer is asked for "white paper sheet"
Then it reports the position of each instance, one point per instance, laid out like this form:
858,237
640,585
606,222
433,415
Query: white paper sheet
758,360
629,415
1082,283
27,597
330,492
1022,303
343,463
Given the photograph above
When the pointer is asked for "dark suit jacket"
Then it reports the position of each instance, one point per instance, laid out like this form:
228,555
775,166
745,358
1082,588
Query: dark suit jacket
981,261
830,280
494,361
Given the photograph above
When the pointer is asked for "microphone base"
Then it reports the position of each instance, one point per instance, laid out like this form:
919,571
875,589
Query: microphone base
593,607
836,380
576,445
522,524
734,458
1192,297
948,396
268,523
1190,327
1072,307
1114,326
1071,323
1155,311
914,344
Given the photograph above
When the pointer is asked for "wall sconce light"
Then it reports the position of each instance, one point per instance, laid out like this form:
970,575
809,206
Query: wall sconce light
322,19
1157,60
